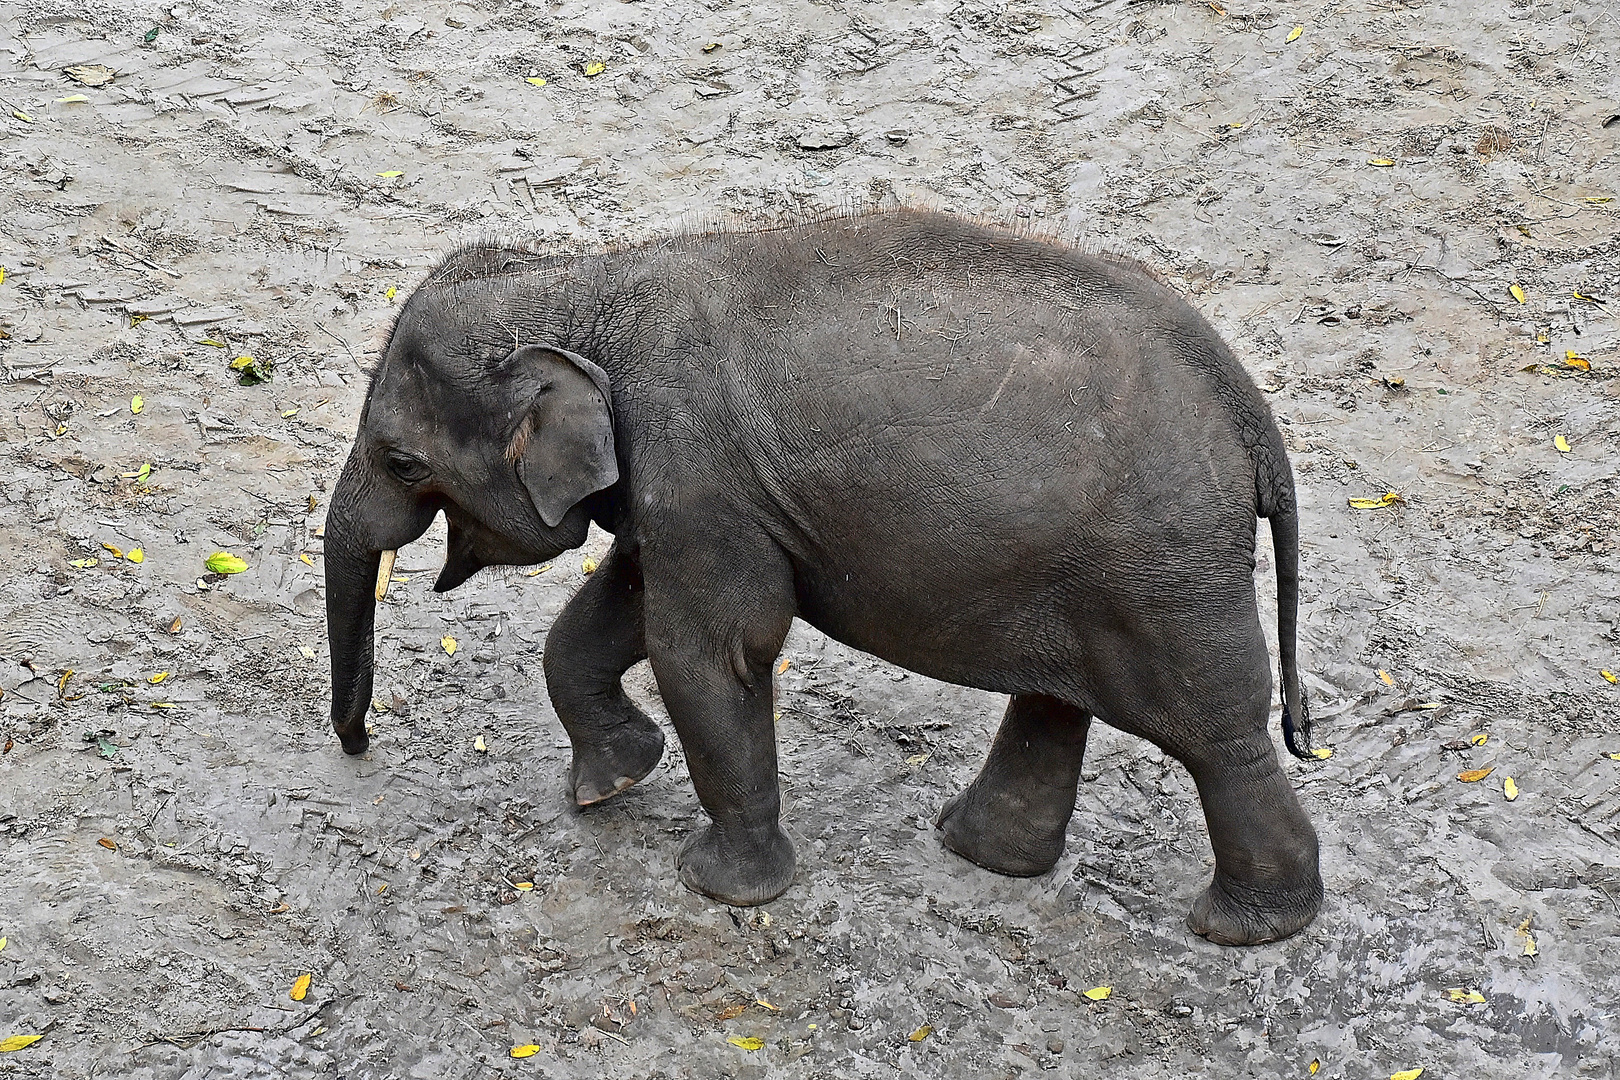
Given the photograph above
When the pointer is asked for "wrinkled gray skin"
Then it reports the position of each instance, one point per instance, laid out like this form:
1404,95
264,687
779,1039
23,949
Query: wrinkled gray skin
980,456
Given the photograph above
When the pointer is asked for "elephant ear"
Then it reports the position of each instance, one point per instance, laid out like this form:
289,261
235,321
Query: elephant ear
563,446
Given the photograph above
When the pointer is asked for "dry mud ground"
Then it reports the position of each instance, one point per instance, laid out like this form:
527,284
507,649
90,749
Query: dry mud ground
1349,208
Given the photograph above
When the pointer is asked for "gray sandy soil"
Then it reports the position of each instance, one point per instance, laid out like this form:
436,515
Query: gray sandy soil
1350,209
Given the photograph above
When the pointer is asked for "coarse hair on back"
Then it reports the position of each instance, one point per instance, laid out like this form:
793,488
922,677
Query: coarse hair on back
516,254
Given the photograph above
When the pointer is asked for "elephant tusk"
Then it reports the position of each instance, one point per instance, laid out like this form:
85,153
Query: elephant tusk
385,570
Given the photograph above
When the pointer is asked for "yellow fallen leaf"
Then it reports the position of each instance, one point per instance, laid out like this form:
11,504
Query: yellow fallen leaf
731,1012
1612,757
24,117
1388,498
589,566
300,988
159,677
523,886
61,683
242,363
305,559
117,552
288,414
162,704
1478,740
1473,776
526,1050
1576,360
761,1002
1321,753
921,1033
1293,36
1381,162
72,99
450,645
137,403
1509,788
108,843
1406,1074
211,341
914,760
747,1042
783,666
537,571
1385,677
83,564
1313,1066
223,562
1516,291
480,746
1464,996
1609,675
594,68
390,174
1560,444
135,555
17,1042
1529,943
1599,198
2,944
1099,993
535,80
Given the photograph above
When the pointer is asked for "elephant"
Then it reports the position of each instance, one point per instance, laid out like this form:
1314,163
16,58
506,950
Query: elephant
975,452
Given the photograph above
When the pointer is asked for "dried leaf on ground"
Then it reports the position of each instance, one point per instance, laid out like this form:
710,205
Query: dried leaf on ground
747,1042
594,68
921,1033
135,555
1099,993
450,645
115,552
1406,1074
535,80
1321,753
1385,677
1293,36
1388,498
1473,776
589,566
1478,739
18,1042
157,678
1463,996
732,1011
1609,676
1560,444
391,174
526,1050
91,74
1380,162
1509,788
136,404
1516,291
480,746
300,987
109,843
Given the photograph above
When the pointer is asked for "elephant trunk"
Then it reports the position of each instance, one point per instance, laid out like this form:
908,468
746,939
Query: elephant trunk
351,609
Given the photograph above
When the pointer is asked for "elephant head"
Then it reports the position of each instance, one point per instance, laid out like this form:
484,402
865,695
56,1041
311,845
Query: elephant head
507,442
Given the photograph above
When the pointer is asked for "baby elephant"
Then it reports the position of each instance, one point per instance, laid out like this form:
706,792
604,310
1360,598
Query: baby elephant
979,455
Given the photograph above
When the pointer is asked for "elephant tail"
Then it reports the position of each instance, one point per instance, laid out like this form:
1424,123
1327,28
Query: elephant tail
1275,484
1285,542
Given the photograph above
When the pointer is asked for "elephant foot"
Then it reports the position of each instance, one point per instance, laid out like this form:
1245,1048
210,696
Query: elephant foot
1227,914
738,867
1009,835
607,765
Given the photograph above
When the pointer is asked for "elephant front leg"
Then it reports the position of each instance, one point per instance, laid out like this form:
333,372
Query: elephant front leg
595,640
1013,817
712,655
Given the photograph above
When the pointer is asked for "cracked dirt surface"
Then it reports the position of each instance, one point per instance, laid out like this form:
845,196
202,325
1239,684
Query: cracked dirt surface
1350,208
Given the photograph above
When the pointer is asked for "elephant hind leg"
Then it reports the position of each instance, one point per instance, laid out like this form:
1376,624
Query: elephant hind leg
1208,708
1013,818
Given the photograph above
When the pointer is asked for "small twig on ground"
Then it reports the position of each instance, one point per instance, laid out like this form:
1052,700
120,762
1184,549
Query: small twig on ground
117,245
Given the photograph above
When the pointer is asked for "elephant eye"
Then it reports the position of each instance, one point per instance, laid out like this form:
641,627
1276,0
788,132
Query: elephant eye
407,468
